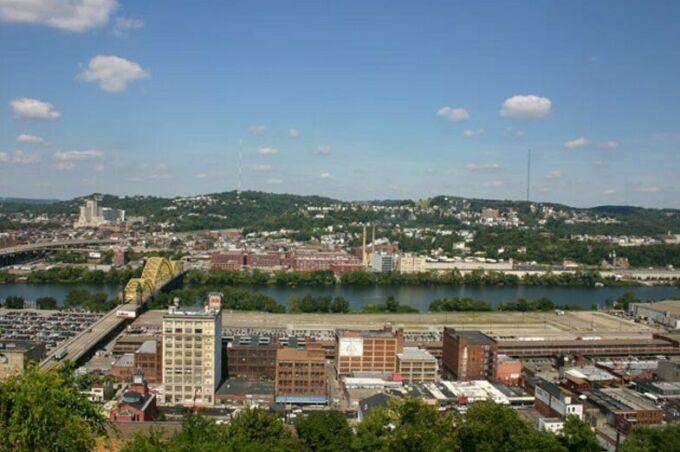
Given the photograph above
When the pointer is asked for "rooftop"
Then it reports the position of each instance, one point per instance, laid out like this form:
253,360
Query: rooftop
590,373
473,337
241,386
148,347
415,354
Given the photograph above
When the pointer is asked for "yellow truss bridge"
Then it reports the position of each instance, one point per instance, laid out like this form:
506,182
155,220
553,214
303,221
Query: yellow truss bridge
157,272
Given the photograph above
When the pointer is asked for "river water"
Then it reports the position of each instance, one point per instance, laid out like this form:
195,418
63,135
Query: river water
415,296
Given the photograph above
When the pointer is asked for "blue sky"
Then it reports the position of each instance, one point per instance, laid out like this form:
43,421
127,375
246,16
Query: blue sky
350,99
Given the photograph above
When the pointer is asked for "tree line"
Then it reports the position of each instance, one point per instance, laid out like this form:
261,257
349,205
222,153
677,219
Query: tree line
45,411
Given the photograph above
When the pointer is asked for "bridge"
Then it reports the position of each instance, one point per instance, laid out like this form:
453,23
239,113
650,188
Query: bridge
157,274
8,256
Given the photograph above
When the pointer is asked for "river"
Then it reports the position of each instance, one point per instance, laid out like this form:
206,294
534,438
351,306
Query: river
415,296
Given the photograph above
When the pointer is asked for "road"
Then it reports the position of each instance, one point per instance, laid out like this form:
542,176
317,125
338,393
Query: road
57,244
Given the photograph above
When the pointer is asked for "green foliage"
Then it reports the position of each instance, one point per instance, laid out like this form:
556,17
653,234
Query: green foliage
81,275
44,411
625,300
46,303
391,305
459,304
84,299
524,305
577,436
653,439
317,304
7,278
14,302
325,431
489,427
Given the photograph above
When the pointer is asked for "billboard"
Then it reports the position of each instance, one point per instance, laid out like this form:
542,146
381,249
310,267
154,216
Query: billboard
351,346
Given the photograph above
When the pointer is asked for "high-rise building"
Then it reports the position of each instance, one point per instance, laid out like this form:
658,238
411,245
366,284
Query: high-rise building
92,216
410,263
383,262
368,351
192,353
468,355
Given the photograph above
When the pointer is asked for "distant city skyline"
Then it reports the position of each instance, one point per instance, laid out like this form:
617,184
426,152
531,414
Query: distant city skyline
351,100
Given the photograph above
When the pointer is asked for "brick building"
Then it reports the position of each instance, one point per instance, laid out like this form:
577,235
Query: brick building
251,357
301,375
368,351
15,355
232,260
137,404
263,260
468,355
508,370
149,359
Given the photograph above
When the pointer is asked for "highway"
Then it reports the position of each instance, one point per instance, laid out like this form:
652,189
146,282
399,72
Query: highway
57,244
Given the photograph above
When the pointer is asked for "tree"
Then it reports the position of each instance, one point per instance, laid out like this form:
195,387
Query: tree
407,425
46,303
488,426
653,439
255,430
44,411
577,436
340,305
391,305
625,300
14,302
325,431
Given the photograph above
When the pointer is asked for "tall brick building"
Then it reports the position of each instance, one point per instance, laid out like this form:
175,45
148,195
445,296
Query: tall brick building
468,355
368,351
251,357
301,375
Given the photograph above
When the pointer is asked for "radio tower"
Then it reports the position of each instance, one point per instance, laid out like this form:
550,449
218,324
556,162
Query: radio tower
528,174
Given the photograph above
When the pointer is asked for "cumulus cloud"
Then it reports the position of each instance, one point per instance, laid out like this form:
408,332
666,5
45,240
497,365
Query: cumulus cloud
611,145
124,24
263,168
18,157
257,130
32,139
112,73
554,174
453,114
274,181
64,166
577,143
26,108
530,106
651,189
473,133
71,156
325,175
476,167
267,151
294,133
323,149
68,15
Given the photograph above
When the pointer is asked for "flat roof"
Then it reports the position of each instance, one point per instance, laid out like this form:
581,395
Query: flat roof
366,333
237,386
127,360
670,306
147,347
415,353
590,373
474,337
20,346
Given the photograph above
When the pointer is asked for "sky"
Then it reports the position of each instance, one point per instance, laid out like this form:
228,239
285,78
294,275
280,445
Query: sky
350,99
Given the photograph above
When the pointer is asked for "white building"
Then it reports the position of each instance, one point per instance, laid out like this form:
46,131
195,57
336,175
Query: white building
410,263
382,262
92,216
551,398
192,353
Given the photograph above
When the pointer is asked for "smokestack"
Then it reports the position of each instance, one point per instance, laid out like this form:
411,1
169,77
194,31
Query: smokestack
373,241
363,249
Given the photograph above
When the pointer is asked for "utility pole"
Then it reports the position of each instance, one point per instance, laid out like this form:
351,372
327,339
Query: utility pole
528,175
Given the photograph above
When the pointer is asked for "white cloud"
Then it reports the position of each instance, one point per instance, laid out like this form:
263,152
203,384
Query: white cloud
160,176
200,175
473,133
69,15
453,114
577,143
323,149
263,168
554,174
611,145
274,181
493,184
71,156
294,133
651,189
124,24
475,167
325,175
26,108
112,73
600,163
530,106
257,130
32,139
267,151
515,133
19,157
609,191
64,166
